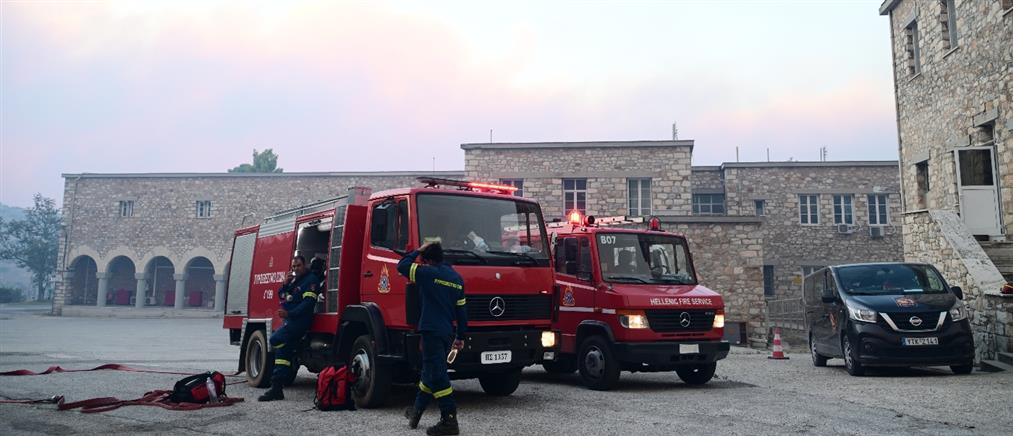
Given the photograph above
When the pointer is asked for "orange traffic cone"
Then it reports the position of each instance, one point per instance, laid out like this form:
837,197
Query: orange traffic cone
778,352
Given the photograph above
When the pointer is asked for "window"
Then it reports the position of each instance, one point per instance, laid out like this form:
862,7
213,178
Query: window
768,280
948,23
644,258
878,209
640,196
203,209
389,225
708,204
575,195
809,269
572,260
126,208
844,209
911,47
761,207
516,183
808,209
922,176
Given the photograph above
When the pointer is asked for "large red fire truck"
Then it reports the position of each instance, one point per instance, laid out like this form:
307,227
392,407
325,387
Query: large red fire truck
366,316
629,300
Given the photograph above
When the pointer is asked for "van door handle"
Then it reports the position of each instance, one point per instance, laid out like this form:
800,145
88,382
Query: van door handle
367,274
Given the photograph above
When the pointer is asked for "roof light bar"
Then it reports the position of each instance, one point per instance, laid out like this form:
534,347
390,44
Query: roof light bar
432,182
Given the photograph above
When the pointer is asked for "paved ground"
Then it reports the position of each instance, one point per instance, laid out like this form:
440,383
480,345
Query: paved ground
751,395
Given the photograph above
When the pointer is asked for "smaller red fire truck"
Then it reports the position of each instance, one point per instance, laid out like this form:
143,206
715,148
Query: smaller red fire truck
629,300
366,315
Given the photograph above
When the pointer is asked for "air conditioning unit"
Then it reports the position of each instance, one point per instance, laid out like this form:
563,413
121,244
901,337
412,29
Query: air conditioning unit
845,229
876,232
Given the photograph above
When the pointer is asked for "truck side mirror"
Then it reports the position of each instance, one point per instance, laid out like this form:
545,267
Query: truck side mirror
958,292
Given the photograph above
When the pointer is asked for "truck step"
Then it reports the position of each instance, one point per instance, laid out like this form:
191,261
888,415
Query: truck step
995,366
1006,358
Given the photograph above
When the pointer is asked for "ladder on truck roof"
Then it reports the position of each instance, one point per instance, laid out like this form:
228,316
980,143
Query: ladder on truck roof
619,220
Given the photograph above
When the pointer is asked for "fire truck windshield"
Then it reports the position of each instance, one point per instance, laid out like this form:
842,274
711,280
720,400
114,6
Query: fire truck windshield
482,230
644,258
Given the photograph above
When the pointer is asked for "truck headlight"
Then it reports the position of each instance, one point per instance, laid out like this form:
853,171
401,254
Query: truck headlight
719,321
958,312
548,339
861,314
633,320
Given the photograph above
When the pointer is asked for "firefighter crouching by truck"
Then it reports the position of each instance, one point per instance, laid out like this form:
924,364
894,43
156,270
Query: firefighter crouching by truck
441,291
298,296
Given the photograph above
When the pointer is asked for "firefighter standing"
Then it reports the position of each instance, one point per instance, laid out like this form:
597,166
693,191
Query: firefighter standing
298,298
441,292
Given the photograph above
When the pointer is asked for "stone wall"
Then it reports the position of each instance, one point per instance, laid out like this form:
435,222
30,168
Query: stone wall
707,180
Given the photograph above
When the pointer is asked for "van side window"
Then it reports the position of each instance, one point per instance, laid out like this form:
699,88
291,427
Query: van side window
402,225
809,290
831,284
819,284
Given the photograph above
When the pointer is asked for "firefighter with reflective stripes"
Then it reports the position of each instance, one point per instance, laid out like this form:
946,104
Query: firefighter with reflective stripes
441,293
298,297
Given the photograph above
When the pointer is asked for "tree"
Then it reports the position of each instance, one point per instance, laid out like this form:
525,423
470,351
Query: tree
32,242
263,162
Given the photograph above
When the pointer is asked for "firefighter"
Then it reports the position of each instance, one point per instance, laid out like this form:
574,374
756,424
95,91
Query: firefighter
441,292
298,296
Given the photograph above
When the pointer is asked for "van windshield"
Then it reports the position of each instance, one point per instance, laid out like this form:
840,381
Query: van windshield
890,279
482,230
644,258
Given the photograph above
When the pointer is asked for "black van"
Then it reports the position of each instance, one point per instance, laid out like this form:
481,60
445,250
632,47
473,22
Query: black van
887,314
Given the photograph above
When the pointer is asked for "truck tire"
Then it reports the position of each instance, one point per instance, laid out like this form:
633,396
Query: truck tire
696,374
565,365
373,380
819,360
598,366
259,361
501,384
850,354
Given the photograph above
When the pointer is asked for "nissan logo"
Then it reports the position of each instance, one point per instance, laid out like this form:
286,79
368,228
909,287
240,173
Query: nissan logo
915,321
684,319
497,307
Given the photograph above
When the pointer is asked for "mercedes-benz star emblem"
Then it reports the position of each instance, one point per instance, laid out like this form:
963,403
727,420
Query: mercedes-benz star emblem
497,307
915,321
684,319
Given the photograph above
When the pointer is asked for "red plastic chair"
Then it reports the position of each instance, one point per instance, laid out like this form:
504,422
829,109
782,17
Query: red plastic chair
122,297
196,299
170,299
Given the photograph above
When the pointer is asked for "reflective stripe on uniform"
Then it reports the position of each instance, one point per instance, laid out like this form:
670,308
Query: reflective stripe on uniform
309,294
411,273
425,389
460,302
443,393
280,345
448,284
282,362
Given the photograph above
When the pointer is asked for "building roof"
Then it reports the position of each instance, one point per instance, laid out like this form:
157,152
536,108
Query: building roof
577,144
280,175
888,6
815,164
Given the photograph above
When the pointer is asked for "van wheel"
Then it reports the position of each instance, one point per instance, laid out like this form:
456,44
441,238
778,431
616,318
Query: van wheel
962,369
565,365
597,363
372,380
501,384
259,361
696,374
819,360
851,358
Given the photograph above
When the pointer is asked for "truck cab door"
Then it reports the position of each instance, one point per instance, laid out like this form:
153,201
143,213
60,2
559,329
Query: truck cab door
577,299
388,235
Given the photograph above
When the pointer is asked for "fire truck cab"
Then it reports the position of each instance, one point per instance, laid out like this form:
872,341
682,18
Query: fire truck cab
630,300
366,312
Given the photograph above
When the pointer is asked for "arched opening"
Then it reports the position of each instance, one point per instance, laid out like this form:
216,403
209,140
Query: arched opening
122,283
200,284
82,281
161,283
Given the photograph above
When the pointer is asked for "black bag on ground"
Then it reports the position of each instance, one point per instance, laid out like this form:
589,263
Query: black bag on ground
199,388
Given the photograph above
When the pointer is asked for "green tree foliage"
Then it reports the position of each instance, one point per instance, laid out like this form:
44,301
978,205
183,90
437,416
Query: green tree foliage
263,162
11,295
32,242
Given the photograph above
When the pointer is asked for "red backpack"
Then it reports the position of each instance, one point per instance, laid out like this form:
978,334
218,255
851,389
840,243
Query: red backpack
334,387
199,388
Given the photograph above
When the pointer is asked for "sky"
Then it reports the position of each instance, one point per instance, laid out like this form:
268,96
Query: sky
195,86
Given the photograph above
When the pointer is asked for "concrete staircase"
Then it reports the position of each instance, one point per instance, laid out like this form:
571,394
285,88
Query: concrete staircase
1004,362
1001,254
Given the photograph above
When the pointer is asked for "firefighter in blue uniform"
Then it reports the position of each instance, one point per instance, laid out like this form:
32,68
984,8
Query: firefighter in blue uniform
298,297
441,293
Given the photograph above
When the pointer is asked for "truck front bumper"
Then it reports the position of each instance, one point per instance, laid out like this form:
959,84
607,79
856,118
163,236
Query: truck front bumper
525,347
647,356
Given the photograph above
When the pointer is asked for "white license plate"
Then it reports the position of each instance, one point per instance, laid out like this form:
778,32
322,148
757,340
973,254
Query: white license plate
491,357
689,348
920,341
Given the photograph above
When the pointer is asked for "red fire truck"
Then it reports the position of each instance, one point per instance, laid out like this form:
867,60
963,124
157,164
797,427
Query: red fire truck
629,300
366,316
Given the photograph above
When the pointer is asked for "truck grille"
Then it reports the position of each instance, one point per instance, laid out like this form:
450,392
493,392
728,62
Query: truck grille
675,320
514,307
903,320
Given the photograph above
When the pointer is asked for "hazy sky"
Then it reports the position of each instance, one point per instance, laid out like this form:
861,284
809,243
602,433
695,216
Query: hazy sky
146,86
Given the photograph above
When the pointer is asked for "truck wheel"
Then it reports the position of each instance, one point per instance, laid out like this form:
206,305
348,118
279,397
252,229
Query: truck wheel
851,362
501,384
962,369
819,360
565,365
598,366
372,380
696,374
259,361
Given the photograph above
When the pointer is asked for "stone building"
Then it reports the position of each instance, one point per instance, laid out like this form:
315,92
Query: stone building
952,62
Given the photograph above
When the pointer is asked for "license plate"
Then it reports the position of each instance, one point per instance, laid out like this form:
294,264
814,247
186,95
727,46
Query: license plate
491,357
689,348
920,341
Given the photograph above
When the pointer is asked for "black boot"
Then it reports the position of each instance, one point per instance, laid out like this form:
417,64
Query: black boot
413,415
446,426
275,393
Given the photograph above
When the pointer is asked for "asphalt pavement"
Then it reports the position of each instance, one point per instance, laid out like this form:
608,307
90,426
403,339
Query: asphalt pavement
750,394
